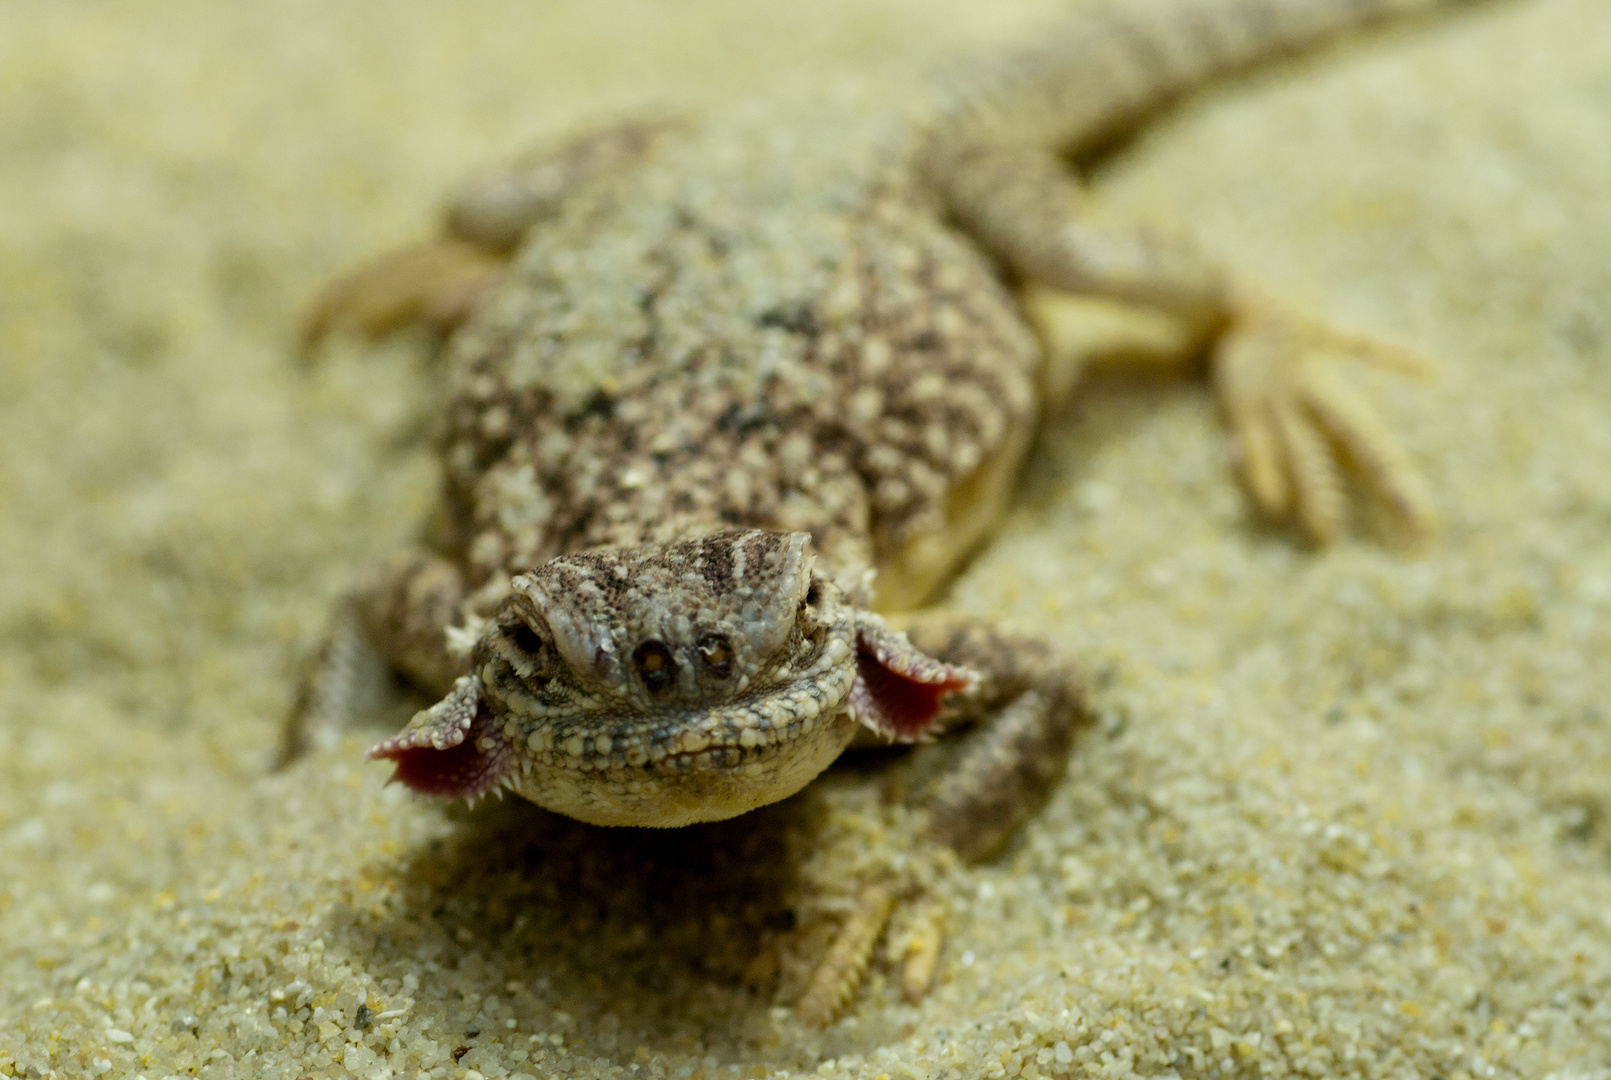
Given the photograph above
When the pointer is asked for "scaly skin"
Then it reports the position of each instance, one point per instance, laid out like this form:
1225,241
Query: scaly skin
720,387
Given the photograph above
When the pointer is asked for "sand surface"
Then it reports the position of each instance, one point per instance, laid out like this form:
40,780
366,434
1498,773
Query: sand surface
1341,814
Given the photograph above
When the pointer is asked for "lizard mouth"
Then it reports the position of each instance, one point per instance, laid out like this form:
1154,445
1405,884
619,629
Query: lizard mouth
709,736
887,687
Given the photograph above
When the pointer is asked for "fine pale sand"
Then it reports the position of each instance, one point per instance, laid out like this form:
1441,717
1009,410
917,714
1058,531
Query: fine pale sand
1341,814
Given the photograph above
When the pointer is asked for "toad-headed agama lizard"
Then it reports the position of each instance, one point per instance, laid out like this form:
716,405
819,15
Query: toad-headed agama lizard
719,389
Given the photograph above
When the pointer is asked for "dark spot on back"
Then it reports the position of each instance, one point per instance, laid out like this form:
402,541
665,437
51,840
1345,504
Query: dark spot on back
797,318
741,419
600,405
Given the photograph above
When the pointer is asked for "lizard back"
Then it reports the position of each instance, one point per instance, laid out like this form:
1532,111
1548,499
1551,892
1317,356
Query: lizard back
767,323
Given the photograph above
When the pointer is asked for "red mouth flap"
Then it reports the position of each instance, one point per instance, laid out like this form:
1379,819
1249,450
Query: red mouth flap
898,690
453,749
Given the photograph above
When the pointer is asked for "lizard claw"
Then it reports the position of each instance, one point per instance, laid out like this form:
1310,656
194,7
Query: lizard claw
1297,427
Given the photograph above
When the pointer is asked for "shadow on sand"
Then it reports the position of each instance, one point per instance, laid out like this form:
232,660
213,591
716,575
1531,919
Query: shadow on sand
616,940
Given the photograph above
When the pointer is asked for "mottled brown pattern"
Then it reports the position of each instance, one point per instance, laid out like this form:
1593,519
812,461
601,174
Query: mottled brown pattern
665,390
737,366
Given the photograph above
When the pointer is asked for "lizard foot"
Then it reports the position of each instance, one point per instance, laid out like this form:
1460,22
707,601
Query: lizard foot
912,928
839,974
955,801
867,911
1297,427
914,944
435,283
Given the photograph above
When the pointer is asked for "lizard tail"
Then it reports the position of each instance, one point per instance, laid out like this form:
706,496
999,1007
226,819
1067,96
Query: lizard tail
993,156
1105,70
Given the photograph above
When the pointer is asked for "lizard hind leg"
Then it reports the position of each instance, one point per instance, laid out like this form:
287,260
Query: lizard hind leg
435,283
1297,428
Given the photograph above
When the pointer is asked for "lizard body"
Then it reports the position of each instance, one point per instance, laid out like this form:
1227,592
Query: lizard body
720,388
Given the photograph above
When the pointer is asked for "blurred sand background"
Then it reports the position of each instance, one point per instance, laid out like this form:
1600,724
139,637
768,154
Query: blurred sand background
1341,815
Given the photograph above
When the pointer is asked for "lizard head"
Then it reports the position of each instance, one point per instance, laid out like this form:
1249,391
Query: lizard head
670,683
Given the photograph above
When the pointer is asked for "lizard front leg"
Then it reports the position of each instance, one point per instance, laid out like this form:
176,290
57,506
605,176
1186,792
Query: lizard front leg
1007,739
1005,747
400,614
438,282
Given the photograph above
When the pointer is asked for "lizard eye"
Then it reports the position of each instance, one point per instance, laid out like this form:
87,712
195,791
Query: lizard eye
528,654
814,593
717,655
655,666
526,640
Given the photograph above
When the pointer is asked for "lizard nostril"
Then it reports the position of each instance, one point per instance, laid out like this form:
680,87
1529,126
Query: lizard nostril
655,666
